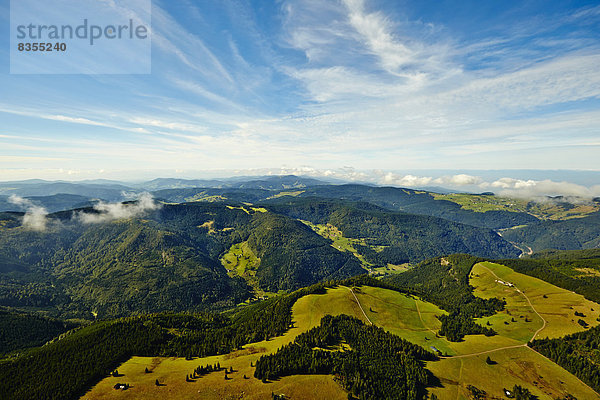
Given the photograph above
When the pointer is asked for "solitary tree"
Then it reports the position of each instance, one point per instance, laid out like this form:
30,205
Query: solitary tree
156,383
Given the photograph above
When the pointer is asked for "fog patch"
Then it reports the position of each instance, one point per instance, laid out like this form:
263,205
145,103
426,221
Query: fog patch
35,215
105,212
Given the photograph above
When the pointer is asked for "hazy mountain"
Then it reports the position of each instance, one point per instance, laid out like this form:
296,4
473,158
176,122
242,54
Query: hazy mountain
109,192
53,203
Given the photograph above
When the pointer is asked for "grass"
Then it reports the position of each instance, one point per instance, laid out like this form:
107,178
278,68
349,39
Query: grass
406,316
557,308
521,366
286,193
202,196
342,243
241,261
542,210
171,372
390,269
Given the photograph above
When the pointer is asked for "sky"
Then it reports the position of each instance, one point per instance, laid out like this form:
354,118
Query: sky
324,87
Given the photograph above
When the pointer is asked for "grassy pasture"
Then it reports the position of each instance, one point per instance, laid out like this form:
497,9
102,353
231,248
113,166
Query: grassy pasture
406,316
521,366
171,372
558,307
394,311
240,260
342,243
390,269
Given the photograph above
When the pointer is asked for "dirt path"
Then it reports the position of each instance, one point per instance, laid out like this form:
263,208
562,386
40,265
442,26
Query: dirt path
528,301
519,345
358,302
507,347
421,318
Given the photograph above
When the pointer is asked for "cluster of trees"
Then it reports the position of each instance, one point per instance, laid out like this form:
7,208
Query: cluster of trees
455,326
521,393
203,370
578,353
377,365
445,281
66,368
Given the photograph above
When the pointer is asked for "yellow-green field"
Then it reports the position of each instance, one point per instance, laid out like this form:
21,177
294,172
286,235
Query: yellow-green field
292,193
171,372
518,365
406,316
557,308
390,269
543,210
342,243
240,260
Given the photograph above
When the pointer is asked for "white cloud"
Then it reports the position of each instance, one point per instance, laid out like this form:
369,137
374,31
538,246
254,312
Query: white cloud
531,189
105,212
35,215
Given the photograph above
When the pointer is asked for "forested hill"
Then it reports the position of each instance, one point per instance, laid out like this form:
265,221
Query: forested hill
399,237
166,259
420,202
390,198
571,234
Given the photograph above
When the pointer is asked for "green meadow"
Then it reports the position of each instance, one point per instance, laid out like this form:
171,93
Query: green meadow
406,316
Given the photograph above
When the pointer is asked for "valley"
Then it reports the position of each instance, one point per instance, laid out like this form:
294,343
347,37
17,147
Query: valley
249,276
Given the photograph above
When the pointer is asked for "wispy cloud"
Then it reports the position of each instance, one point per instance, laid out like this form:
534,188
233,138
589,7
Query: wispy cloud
325,83
35,215
105,212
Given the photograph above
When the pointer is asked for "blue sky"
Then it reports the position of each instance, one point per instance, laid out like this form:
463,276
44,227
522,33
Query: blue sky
321,87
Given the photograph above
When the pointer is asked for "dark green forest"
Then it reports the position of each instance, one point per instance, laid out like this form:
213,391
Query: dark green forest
572,234
168,259
408,237
20,330
378,365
